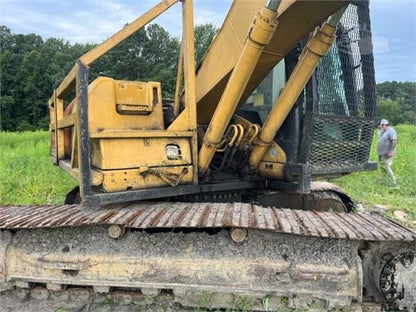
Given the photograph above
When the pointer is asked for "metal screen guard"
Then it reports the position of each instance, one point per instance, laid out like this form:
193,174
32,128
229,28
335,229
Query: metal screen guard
343,99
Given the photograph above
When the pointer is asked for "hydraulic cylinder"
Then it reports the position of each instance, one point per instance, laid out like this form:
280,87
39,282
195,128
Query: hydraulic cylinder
314,50
260,33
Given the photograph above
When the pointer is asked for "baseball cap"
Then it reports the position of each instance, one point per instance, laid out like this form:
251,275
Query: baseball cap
384,122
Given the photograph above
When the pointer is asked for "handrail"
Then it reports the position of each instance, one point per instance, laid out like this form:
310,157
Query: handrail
88,58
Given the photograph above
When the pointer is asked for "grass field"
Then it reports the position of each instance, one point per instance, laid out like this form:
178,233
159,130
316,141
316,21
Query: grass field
27,175
371,188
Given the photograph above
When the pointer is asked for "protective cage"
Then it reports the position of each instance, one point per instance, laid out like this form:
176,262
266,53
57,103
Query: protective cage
340,101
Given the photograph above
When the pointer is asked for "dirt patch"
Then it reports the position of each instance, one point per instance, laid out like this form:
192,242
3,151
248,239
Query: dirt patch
396,215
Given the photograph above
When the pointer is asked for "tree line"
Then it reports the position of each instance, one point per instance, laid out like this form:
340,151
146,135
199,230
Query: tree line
31,68
396,101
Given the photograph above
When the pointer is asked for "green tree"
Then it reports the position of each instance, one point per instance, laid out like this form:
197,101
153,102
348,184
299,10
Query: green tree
161,53
7,106
6,38
404,93
32,96
125,61
21,79
389,109
32,68
203,37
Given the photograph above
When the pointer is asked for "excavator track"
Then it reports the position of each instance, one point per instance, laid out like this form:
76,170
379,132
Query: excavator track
212,253
365,226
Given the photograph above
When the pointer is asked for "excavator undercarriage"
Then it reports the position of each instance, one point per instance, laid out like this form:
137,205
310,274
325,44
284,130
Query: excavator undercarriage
220,252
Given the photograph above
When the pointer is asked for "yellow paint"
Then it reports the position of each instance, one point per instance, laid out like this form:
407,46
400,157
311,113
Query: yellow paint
106,96
145,177
273,162
114,153
134,109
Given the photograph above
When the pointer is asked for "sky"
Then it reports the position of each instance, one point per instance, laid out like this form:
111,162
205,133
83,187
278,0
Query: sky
92,21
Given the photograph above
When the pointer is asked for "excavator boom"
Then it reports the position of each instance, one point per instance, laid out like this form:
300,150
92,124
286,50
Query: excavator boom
296,18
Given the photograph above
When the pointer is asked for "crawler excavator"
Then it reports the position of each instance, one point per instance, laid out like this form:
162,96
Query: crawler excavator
215,194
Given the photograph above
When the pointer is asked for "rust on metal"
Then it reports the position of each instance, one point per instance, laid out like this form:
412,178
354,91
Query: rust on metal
147,215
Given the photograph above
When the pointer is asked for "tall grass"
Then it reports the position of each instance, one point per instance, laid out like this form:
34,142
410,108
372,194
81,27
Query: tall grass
27,175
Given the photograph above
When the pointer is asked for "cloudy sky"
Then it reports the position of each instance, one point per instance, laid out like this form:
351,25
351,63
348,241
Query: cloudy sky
92,21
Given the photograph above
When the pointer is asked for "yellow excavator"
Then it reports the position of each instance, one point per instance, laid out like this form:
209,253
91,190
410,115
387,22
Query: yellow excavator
214,196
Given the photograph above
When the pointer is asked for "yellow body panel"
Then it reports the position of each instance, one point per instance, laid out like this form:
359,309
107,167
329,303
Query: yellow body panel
128,142
135,159
143,178
273,162
108,97
120,153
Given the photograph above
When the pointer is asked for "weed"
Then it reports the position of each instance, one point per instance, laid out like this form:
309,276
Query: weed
205,300
243,303
266,301
101,302
284,300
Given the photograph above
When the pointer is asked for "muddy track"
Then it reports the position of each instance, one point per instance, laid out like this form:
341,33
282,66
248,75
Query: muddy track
140,215
84,299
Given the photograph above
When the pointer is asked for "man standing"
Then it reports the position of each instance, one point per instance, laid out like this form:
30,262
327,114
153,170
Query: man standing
387,140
